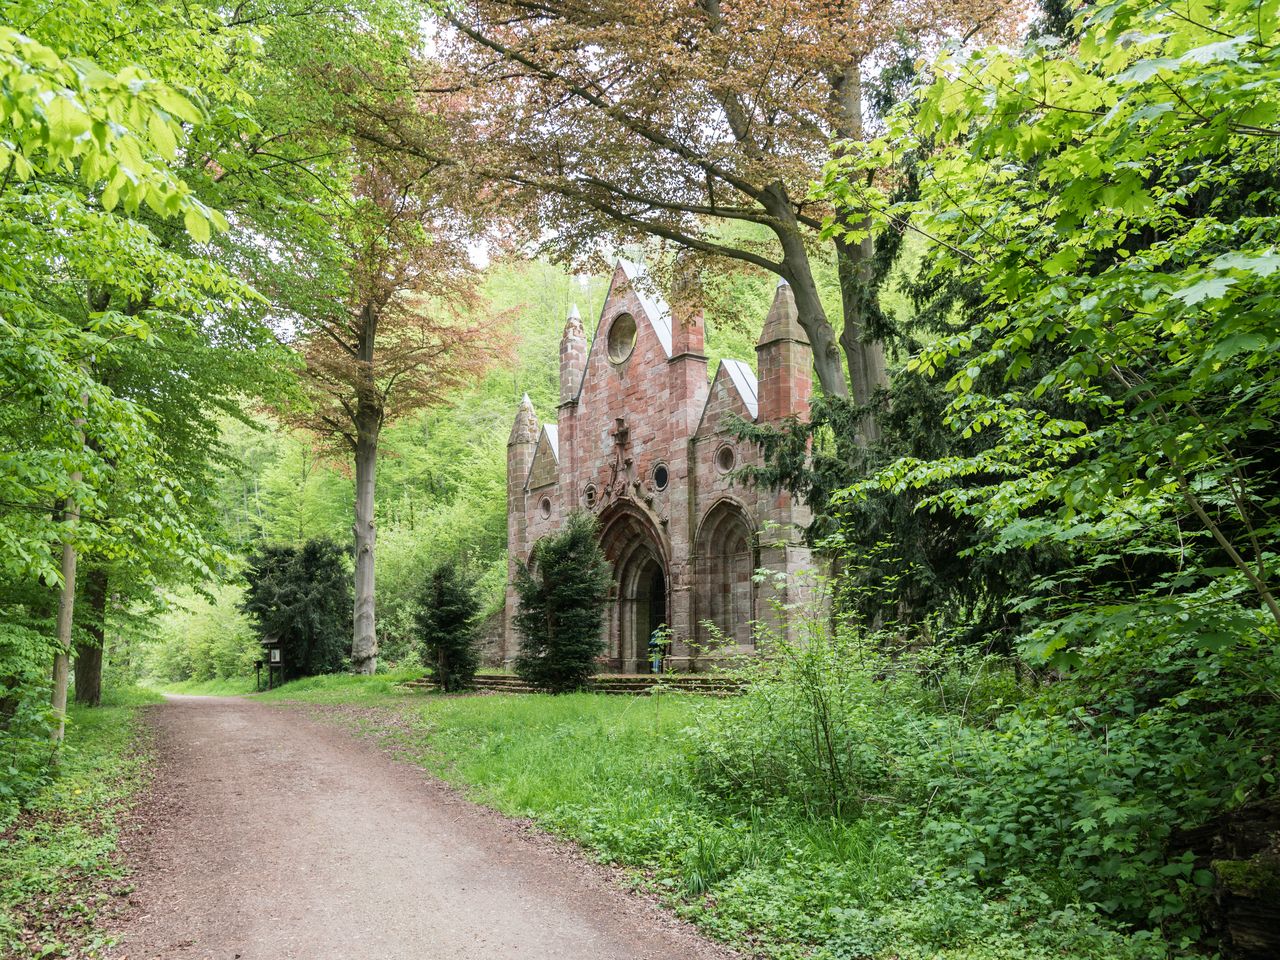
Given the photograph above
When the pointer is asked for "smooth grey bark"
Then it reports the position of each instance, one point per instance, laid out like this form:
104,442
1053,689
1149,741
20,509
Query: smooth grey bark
66,610
364,644
797,270
368,423
864,356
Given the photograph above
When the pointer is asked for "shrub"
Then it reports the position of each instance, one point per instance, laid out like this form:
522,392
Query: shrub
562,593
446,626
301,596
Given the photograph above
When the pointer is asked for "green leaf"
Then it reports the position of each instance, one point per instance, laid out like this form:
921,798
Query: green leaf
1211,289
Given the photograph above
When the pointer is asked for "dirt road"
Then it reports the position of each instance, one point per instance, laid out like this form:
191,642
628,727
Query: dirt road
270,836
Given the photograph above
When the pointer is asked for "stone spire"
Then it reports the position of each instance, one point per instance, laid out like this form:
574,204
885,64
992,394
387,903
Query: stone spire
688,326
573,356
783,321
784,363
525,429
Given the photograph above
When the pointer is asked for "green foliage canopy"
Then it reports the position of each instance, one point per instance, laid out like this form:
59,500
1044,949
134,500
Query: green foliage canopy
1116,201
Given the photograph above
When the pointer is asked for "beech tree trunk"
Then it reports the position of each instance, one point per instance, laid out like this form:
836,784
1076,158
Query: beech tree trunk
367,423
810,314
66,609
364,644
89,655
865,357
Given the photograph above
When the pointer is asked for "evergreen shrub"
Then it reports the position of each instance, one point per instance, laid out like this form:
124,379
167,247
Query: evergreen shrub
446,625
301,596
562,595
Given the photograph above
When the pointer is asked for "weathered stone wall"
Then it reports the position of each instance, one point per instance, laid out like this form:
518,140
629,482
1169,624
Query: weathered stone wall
644,441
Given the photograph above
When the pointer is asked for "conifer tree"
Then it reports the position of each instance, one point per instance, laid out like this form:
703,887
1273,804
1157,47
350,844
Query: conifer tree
446,624
299,596
562,594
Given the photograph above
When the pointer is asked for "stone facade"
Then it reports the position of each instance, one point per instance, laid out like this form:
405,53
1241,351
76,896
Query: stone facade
643,441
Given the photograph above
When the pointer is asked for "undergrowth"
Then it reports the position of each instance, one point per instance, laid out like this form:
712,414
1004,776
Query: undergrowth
56,854
785,877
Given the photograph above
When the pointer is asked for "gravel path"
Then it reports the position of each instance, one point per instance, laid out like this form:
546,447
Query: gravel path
269,835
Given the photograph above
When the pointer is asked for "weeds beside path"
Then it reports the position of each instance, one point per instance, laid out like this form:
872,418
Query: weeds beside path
58,862
279,838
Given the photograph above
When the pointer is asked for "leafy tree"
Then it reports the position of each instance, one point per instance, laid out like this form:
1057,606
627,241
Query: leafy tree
1145,277
398,339
671,120
83,282
562,593
301,597
446,624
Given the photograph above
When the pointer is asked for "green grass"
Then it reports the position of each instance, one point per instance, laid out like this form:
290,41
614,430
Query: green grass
221,687
612,773
335,687
55,859
606,772
345,688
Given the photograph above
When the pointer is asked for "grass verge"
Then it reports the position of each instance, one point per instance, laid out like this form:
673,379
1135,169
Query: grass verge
56,863
605,771
613,773
220,687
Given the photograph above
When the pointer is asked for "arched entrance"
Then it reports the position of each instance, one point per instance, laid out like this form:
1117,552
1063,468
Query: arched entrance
640,587
727,558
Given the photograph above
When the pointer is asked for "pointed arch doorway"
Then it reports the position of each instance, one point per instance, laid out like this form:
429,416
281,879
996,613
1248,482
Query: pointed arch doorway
641,585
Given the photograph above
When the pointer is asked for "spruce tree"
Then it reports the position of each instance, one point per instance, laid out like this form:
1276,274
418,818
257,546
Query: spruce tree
562,594
301,597
446,626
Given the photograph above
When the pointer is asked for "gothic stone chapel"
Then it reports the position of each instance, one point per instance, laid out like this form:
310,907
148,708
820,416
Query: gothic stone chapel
643,441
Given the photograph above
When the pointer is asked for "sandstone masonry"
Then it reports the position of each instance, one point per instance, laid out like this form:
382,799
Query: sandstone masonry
643,441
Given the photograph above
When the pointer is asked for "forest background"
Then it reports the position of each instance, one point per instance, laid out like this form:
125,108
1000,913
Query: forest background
1040,719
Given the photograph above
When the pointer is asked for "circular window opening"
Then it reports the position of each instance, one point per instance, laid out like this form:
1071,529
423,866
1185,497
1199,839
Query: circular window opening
725,459
622,337
589,495
661,476
544,507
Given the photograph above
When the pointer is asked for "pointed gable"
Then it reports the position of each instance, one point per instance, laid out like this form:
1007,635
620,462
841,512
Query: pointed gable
733,391
546,458
745,381
654,307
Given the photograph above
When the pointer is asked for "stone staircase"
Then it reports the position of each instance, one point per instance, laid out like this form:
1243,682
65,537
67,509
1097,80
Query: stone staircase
625,684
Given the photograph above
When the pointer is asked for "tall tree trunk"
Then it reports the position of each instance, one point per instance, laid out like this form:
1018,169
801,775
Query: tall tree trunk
66,609
368,422
797,270
864,356
89,655
364,645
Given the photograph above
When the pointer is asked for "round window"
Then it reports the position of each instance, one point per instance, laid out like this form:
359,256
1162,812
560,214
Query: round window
544,507
622,337
661,477
589,495
725,459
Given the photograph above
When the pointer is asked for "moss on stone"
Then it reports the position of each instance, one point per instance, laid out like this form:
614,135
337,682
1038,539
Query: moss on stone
1249,878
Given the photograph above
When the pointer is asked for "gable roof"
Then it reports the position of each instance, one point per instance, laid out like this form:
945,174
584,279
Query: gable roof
655,308
741,381
745,380
548,444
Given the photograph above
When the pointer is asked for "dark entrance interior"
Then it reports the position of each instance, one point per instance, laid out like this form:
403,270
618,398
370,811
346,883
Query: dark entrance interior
657,599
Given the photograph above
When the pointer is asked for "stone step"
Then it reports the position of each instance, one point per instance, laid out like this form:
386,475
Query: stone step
619,684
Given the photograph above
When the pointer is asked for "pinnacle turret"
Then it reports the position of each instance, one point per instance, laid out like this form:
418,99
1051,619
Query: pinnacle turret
783,321
525,429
